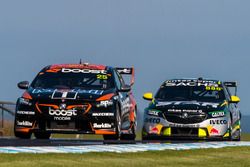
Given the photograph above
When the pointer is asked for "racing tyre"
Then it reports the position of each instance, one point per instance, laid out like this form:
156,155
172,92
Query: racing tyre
145,138
22,135
131,136
118,127
237,135
42,135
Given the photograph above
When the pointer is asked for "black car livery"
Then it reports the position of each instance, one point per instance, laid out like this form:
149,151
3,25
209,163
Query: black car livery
193,108
77,98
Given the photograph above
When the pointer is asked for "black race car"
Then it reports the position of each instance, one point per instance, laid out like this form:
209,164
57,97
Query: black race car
78,99
193,109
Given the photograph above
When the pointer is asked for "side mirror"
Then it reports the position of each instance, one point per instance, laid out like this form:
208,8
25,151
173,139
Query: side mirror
148,96
125,88
23,85
235,99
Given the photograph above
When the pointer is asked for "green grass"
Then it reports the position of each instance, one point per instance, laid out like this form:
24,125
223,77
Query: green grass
245,137
226,157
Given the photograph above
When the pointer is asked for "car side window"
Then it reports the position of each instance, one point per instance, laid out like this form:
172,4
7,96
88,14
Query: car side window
117,80
227,93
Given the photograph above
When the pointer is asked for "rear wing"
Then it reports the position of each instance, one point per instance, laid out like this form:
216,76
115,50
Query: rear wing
127,71
232,85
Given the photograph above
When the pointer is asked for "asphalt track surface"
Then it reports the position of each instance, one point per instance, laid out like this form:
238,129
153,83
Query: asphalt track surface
16,142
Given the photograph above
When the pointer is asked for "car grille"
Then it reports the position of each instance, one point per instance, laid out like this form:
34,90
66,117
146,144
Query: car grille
189,118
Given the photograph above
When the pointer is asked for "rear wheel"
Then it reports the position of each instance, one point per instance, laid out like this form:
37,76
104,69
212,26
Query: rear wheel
42,135
131,136
117,127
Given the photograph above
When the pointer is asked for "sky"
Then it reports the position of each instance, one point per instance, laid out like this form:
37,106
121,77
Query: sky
162,39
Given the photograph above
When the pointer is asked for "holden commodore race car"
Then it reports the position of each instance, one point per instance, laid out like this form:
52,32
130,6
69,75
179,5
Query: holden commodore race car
77,99
193,109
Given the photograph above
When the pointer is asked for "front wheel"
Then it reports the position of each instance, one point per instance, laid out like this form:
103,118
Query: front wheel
117,126
22,135
130,136
42,135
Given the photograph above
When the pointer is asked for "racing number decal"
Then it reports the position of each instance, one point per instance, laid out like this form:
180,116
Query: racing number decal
102,77
213,88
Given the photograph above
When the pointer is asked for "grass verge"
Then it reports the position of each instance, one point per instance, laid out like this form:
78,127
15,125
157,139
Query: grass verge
225,157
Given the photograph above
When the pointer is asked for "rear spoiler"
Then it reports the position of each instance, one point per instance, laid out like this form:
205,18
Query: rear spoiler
127,71
231,85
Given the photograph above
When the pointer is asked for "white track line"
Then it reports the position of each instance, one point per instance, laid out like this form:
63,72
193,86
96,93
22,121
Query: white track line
126,148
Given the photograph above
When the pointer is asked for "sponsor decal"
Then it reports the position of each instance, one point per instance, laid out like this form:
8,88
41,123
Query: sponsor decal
85,71
103,114
214,131
155,129
218,122
91,91
62,118
68,113
191,83
153,120
217,114
184,110
37,91
26,112
126,105
24,101
102,125
62,115
82,91
204,104
24,123
153,112
124,70
105,103
184,125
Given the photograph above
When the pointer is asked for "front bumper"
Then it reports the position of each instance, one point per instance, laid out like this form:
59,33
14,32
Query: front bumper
75,119
160,128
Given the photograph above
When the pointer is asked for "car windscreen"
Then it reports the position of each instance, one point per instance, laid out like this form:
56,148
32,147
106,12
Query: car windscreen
61,80
187,93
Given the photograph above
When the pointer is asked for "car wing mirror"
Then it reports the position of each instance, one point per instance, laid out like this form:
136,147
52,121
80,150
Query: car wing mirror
125,88
23,85
148,96
235,99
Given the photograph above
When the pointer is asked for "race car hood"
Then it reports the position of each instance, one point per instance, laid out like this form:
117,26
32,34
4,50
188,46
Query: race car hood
187,106
70,94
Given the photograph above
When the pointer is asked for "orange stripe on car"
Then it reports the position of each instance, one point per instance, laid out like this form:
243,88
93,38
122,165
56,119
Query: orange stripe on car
26,95
53,70
106,97
49,105
104,132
